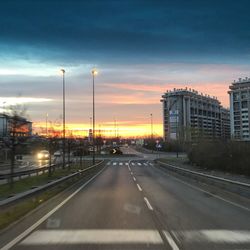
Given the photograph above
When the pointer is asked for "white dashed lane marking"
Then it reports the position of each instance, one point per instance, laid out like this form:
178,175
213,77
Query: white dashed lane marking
148,204
120,163
139,187
114,163
134,178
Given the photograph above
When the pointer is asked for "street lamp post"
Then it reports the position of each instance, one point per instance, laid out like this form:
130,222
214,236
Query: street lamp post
177,130
63,74
94,73
47,125
151,119
152,135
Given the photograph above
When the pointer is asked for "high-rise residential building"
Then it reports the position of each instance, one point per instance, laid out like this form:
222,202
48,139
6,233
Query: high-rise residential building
189,115
240,109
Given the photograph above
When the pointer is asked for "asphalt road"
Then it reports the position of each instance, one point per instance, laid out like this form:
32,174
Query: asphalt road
133,205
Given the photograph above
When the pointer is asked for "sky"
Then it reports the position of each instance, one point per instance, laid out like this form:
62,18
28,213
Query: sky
140,49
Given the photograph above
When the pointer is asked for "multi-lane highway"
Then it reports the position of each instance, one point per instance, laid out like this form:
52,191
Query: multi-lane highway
131,204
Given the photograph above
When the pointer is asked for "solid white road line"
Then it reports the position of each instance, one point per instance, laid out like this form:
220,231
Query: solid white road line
134,178
46,216
170,240
148,204
129,168
139,187
215,236
92,236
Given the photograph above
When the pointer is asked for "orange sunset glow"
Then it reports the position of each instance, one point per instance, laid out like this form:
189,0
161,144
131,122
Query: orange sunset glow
82,130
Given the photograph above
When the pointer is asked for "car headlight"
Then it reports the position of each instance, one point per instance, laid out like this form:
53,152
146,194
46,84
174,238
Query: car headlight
39,156
46,155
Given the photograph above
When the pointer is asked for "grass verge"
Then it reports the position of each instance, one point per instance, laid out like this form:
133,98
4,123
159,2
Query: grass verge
16,211
35,181
174,160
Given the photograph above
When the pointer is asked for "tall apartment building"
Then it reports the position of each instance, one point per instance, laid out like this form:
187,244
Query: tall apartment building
240,109
189,115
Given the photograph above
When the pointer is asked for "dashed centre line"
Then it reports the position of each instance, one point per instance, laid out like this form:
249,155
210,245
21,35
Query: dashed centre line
134,178
139,187
148,204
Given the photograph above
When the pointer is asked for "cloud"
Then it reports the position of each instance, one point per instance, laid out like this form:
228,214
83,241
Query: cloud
141,48
125,32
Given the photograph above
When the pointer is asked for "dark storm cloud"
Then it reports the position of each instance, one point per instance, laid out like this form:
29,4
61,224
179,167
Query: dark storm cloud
125,31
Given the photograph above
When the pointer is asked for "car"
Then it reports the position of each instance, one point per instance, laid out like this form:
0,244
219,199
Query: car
43,155
57,154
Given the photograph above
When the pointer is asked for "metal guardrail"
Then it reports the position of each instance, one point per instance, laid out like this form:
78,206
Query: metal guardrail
234,186
26,172
24,195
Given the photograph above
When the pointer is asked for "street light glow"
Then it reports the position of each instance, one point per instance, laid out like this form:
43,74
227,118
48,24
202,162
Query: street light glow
62,71
94,72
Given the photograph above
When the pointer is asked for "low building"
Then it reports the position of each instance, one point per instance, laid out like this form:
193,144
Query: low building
240,109
14,124
189,115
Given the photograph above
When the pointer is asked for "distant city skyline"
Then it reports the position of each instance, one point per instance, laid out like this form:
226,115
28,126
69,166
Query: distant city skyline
140,48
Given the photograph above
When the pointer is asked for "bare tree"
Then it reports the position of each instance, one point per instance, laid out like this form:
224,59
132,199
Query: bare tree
18,133
52,140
